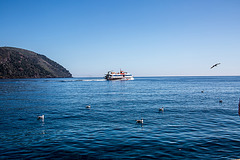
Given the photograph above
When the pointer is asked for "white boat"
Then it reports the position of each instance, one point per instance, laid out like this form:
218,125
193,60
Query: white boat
119,76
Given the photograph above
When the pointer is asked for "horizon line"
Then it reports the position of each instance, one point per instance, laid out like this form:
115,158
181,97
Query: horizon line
165,76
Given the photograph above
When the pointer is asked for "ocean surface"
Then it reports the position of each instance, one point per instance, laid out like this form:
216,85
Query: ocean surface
194,124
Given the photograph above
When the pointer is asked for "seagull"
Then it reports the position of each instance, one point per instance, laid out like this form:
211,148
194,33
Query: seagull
215,65
139,121
41,117
88,106
161,109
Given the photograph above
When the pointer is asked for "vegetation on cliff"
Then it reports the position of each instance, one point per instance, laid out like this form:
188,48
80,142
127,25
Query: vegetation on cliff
21,63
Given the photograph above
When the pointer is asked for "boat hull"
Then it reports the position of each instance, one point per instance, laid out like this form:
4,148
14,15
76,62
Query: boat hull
121,79
123,76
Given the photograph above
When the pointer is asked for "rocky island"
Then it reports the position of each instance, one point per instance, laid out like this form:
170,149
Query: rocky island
21,63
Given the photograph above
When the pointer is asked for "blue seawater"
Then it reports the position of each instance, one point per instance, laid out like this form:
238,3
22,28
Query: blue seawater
194,125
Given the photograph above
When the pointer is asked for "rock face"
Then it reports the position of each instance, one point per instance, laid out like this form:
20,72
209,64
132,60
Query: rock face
21,63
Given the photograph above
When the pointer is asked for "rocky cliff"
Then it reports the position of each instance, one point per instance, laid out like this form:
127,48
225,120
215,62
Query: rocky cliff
21,63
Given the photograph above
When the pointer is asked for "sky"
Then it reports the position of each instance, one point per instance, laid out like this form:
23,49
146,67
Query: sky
144,37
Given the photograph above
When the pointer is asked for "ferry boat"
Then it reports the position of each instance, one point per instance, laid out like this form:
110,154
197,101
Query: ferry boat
119,76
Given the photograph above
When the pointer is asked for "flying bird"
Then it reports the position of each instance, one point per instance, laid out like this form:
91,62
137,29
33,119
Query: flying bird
215,65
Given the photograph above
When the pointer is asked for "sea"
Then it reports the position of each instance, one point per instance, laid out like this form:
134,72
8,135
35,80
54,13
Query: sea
200,118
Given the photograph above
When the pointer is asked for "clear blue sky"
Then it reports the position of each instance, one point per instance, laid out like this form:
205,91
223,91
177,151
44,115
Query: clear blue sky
144,37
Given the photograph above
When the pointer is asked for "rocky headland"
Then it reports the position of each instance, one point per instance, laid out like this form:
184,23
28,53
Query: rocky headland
21,63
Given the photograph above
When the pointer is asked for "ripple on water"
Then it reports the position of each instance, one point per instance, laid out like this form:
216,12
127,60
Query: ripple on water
193,125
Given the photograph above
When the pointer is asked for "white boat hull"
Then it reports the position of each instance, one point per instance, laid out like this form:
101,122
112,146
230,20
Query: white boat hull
124,76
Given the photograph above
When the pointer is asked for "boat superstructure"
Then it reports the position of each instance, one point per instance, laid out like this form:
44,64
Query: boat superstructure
119,76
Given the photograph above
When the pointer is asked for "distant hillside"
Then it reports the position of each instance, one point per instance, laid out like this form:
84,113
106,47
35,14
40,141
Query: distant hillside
21,63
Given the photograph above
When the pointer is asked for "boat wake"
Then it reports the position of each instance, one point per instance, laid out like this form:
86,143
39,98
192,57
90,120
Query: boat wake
85,80
93,80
